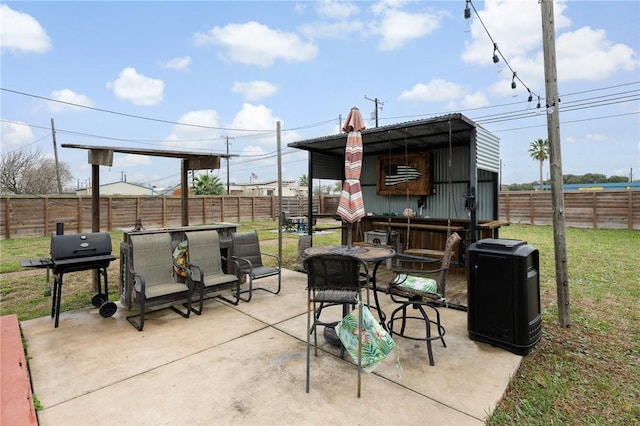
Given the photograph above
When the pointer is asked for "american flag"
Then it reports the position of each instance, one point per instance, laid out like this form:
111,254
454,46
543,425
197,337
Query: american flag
254,176
399,173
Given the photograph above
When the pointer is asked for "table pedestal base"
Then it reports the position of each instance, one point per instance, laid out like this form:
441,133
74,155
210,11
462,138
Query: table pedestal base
331,336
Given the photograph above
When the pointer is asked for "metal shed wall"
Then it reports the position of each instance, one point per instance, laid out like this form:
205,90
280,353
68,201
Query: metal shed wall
488,150
448,199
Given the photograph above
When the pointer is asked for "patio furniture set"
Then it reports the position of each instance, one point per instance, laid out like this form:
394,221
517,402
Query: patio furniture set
337,275
159,283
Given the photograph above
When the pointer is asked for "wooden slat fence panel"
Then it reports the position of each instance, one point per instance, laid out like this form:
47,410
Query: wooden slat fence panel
584,209
31,216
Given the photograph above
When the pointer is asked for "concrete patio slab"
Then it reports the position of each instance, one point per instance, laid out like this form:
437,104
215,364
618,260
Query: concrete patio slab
246,364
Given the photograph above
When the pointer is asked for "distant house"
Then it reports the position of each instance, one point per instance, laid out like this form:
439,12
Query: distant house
119,188
267,189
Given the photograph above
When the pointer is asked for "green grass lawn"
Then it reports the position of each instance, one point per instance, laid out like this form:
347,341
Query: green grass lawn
588,373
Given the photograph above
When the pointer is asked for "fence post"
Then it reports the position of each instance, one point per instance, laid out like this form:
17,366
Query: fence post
531,213
594,210
45,200
630,209
7,217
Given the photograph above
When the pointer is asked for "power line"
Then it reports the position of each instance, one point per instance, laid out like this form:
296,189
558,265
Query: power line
568,106
159,120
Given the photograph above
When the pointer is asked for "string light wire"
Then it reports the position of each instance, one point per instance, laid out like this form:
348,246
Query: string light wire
467,15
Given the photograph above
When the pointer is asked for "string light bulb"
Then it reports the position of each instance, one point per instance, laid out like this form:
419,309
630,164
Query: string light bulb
495,53
467,11
538,106
513,80
530,96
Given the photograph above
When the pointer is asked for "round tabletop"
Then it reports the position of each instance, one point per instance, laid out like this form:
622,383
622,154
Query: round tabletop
369,253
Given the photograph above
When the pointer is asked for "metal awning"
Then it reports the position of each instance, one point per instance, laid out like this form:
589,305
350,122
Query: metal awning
395,138
103,156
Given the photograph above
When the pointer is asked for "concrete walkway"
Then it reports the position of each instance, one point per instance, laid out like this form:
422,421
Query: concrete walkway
246,364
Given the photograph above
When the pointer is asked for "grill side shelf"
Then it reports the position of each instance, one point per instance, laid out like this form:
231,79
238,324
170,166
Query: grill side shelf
37,263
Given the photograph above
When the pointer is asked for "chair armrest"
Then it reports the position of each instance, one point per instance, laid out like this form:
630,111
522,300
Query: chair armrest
190,268
272,255
140,278
239,260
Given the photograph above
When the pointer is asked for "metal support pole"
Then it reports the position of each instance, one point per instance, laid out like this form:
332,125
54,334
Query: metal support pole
555,161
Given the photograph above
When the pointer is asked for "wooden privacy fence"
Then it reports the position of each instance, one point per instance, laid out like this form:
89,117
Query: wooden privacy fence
593,209
32,216
29,216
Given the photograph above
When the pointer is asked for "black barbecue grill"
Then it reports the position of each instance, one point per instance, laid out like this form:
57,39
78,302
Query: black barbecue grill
78,252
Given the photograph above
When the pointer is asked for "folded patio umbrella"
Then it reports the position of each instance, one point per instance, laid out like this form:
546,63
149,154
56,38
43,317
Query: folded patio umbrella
351,206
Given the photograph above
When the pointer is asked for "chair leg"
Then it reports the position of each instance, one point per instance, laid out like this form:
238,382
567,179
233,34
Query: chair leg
428,327
438,324
236,293
138,326
427,321
360,332
308,340
250,290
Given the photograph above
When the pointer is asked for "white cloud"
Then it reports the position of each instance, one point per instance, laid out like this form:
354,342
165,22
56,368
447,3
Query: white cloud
596,137
254,90
255,44
399,27
474,100
332,9
177,64
131,160
587,54
20,32
136,88
67,95
203,135
255,117
515,26
15,134
437,90
332,30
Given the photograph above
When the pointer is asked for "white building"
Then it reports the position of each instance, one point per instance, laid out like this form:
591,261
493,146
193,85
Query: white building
290,188
119,188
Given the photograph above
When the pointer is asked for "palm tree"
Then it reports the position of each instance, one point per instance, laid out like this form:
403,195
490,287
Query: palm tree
304,180
539,150
207,185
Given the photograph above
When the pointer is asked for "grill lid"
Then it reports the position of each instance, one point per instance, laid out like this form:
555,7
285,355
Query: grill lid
80,246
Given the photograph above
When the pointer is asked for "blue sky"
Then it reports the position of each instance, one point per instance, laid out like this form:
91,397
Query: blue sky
232,69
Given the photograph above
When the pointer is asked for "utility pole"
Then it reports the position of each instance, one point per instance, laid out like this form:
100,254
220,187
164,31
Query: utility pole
377,102
228,191
555,162
55,155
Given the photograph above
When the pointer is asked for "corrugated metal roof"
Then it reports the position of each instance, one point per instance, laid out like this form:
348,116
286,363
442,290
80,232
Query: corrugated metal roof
411,135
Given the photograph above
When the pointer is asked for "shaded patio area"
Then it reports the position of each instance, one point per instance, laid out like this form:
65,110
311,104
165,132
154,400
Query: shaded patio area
245,364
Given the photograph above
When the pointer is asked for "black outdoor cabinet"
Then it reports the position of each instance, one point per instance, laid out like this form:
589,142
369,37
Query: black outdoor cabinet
503,289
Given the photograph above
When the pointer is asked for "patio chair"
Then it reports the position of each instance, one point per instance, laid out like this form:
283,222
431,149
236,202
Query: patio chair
247,259
413,287
205,268
152,270
289,225
333,279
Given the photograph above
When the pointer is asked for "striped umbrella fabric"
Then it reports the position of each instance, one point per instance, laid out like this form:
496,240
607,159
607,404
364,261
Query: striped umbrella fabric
351,207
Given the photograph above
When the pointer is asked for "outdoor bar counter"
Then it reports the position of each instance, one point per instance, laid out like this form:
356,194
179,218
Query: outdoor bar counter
427,233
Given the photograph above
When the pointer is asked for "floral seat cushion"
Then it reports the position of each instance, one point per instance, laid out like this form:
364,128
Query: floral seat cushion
376,341
416,284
